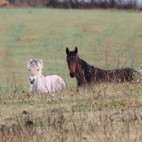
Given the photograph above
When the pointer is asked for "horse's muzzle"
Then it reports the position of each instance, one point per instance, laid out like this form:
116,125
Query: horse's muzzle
32,80
72,74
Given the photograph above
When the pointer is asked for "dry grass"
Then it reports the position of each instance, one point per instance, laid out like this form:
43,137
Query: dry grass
108,112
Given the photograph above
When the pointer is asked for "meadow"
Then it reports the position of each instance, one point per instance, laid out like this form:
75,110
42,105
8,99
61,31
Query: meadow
104,112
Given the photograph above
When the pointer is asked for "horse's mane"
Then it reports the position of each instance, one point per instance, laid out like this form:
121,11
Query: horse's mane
35,62
85,65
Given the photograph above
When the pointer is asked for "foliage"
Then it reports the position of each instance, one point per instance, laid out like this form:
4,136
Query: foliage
4,3
127,4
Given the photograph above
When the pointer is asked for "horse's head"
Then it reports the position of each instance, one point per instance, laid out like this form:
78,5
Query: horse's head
72,60
35,68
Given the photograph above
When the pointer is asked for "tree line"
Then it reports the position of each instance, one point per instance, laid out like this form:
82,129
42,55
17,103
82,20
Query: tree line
81,4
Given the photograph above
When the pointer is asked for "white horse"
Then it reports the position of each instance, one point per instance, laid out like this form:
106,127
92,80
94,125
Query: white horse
41,84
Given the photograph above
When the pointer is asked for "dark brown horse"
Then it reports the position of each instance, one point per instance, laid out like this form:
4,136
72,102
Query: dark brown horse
86,73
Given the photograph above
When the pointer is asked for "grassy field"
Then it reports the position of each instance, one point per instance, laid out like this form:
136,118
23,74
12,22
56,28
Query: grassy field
100,113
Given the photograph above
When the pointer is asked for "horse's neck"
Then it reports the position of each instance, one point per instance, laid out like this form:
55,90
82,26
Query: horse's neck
39,84
80,72
81,65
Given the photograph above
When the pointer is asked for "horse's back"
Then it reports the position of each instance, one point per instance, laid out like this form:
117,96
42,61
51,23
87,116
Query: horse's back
55,83
130,74
123,75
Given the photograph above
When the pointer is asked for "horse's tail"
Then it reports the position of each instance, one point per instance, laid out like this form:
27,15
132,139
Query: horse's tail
136,77
130,75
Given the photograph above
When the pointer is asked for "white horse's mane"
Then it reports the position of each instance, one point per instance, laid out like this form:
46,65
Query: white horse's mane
35,62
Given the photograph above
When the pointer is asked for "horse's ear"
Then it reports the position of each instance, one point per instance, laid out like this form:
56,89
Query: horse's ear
41,62
28,63
67,51
76,50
